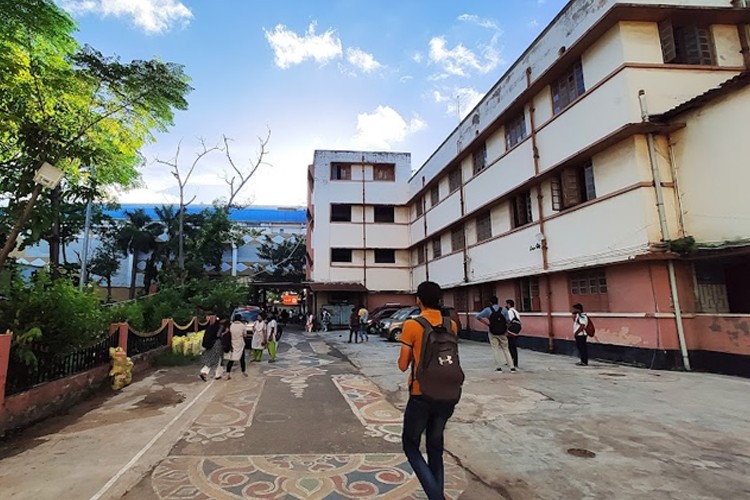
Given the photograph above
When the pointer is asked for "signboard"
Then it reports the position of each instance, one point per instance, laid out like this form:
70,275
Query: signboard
289,299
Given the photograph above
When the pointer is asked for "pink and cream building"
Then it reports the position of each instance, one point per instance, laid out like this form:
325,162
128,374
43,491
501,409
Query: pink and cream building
609,166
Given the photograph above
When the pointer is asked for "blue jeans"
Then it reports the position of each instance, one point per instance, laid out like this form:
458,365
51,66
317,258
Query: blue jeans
363,333
422,415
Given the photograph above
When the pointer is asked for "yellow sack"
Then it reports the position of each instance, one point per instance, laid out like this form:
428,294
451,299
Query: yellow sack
122,368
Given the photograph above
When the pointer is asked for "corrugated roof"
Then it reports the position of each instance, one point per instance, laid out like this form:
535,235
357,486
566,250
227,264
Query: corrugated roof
287,215
737,82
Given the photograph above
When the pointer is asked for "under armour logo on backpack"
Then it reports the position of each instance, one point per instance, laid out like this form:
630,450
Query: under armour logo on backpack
446,360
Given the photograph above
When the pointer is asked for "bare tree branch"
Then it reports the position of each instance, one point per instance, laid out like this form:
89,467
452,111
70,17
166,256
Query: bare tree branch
243,175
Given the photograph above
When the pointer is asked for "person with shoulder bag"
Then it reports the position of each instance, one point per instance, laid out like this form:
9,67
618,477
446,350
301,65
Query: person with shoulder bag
514,328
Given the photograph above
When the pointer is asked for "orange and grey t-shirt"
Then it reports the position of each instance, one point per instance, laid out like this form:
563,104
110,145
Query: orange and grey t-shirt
412,336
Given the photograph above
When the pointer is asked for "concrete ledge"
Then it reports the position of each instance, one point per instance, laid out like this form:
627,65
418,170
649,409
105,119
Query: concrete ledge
28,407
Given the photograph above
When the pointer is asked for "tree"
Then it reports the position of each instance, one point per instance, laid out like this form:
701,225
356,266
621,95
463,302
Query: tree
105,262
286,260
242,175
137,236
72,107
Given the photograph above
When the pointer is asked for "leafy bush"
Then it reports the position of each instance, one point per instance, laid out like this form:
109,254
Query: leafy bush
127,312
219,297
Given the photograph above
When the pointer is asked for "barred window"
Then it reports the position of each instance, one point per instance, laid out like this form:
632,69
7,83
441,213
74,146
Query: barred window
515,131
434,195
484,226
341,254
528,290
421,251
590,282
568,87
341,213
384,213
454,179
341,172
461,300
522,214
385,256
686,43
437,250
384,172
574,185
458,239
420,206
479,158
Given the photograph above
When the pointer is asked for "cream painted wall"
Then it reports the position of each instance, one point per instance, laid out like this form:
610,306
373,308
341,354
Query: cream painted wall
603,57
542,106
512,170
727,44
445,213
712,162
345,235
640,42
380,278
416,230
387,235
496,145
447,271
505,257
348,274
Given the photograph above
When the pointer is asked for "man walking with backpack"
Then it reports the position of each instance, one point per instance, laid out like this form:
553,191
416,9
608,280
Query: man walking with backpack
430,348
496,319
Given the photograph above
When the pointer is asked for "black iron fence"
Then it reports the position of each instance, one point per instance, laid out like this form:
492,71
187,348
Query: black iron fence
181,331
51,366
138,343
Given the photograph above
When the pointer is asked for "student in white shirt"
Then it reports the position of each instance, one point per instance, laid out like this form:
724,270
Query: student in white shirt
580,320
272,329
513,319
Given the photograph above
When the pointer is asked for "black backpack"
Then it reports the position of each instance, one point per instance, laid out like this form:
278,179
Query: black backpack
439,372
498,323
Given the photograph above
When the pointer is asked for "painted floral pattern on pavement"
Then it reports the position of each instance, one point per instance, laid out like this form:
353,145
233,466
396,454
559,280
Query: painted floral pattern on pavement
380,418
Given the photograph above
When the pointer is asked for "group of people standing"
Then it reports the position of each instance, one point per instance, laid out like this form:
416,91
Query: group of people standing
504,324
358,324
229,340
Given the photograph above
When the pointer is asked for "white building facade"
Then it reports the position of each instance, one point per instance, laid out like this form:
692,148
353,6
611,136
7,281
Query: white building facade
607,168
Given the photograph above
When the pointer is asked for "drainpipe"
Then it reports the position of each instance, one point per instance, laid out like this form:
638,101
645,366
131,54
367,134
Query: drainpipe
464,250
540,208
364,230
664,232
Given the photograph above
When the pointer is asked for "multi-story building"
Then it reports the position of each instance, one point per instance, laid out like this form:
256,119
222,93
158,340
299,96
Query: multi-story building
607,167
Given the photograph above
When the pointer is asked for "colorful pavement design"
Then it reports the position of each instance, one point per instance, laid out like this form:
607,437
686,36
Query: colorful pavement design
306,427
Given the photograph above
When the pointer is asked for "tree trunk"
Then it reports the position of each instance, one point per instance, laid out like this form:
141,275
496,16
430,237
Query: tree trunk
133,274
109,288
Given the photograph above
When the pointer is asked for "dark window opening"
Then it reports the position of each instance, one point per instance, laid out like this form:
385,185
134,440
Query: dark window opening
341,172
420,207
458,239
385,256
437,250
574,185
568,88
528,290
421,254
722,286
341,213
522,214
686,43
479,158
454,179
461,300
341,254
515,131
484,227
384,213
384,172
434,195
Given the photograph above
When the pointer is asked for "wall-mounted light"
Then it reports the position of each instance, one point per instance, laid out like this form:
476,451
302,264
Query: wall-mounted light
48,176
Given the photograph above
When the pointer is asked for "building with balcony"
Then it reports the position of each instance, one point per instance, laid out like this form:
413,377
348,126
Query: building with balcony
607,166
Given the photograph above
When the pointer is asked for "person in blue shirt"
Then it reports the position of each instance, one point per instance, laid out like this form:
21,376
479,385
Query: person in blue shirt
498,341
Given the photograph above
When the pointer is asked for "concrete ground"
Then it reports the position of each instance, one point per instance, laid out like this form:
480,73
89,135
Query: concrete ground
324,422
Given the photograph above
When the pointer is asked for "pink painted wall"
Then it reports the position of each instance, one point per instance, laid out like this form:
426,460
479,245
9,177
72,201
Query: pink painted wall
719,333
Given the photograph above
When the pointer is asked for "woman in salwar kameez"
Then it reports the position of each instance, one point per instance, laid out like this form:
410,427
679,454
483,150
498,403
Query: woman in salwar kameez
259,337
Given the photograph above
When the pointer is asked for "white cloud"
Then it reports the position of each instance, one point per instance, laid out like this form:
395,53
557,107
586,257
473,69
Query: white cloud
153,16
384,127
483,22
460,100
289,48
460,61
362,60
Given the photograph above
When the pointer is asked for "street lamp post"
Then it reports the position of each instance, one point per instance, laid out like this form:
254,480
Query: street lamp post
47,176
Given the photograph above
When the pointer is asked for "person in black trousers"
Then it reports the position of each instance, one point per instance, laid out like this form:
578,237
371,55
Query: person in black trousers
354,326
580,320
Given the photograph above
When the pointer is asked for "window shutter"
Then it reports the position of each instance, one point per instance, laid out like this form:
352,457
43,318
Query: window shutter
571,189
588,178
556,194
692,45
666,35
705,47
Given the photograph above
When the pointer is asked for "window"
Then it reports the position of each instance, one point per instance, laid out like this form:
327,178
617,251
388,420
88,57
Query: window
434,195
384,213
568,87
384,172
522,209
573,186
592,282
686,43
458,239
341,172
385,256
528,290
515,131
420,207
421,252
484,227
341,213
461,300
479,158
437,250
341,254
454,179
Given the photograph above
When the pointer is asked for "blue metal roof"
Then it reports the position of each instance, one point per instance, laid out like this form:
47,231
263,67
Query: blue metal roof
258,215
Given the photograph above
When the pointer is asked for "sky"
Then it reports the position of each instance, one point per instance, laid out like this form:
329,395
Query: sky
385,75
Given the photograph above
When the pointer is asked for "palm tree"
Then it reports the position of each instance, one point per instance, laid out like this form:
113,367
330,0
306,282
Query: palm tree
137,236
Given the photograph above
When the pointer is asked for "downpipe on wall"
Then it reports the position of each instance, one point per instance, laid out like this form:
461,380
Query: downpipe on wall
664,232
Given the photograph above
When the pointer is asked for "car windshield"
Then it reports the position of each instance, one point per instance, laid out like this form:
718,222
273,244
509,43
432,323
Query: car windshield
403,313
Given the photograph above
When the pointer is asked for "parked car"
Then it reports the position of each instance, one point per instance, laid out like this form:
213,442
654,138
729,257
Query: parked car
248,313
378,314
391,328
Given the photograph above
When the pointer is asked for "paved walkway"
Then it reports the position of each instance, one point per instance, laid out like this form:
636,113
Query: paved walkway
324,422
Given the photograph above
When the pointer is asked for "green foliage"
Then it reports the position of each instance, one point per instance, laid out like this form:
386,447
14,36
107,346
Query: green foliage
168,303
683,246
130,312
287,260
66,317
219,297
